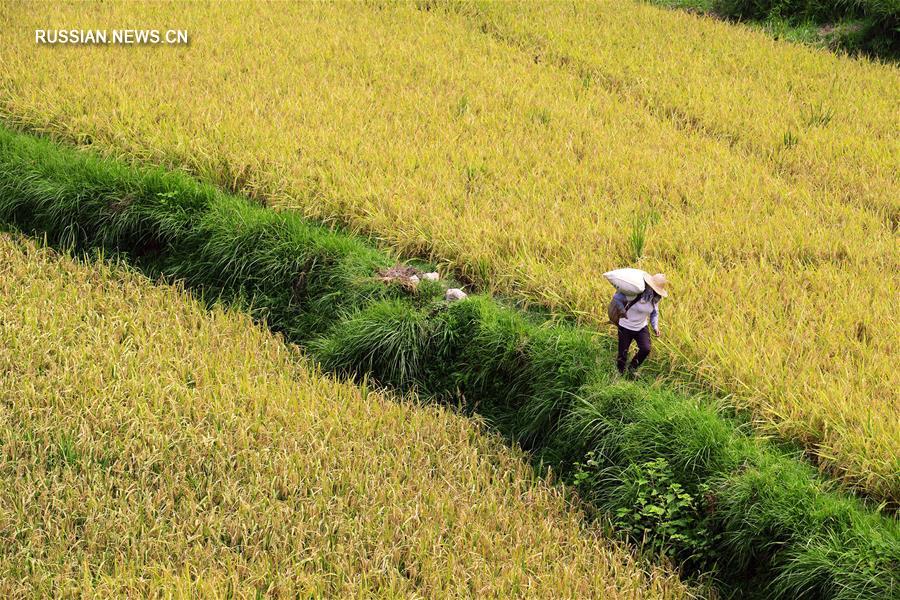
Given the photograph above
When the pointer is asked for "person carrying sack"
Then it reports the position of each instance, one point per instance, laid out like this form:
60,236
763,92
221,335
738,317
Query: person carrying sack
633,315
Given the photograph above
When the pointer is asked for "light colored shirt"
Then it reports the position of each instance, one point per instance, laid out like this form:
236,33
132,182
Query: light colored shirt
638,314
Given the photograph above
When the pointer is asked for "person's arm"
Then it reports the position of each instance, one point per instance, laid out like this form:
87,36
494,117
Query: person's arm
654,319
620,299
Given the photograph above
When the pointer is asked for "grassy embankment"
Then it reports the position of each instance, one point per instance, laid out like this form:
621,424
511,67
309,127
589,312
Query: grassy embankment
870,27
523,144
672,471
151,448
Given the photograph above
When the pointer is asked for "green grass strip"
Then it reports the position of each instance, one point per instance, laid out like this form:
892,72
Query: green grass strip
670,471
869,27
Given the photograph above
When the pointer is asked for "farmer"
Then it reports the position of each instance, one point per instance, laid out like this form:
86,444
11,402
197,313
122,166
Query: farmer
633,322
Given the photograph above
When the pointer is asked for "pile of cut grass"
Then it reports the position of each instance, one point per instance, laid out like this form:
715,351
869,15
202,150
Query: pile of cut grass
517,142
152,448
757,512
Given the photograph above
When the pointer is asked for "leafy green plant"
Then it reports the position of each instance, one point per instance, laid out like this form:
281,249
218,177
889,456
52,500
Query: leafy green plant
658,512
587,473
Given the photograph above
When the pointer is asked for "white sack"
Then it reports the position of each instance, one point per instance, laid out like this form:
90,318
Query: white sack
628,281
455,294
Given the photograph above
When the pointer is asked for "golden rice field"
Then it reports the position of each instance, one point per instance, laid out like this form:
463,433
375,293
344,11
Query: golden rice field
519,142
844,114
153,448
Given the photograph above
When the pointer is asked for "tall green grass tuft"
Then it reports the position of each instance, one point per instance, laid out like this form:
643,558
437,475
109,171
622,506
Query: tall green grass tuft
389,338
752,514
637,237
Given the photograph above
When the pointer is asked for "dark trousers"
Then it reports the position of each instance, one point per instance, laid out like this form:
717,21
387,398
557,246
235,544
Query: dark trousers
626,336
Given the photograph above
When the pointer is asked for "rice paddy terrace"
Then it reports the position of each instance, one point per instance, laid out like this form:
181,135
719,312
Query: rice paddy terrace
286,162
